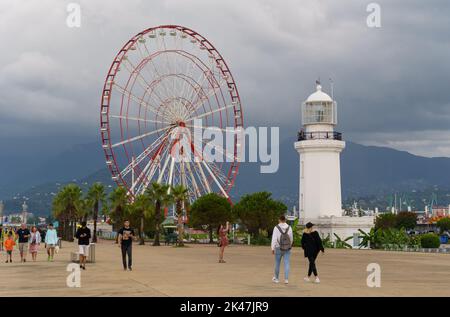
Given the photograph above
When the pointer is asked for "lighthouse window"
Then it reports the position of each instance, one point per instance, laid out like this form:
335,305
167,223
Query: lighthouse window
318,112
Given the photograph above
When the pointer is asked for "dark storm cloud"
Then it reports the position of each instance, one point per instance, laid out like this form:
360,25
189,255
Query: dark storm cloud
391,83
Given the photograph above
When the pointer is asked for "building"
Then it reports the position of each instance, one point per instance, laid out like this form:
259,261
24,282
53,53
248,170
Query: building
319,147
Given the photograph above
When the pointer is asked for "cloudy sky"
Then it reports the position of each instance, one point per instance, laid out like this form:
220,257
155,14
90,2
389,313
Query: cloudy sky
391,83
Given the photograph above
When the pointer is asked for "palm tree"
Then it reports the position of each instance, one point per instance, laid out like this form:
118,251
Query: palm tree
67,206
85,210
181,197
96,195
119,207
142,209
160,197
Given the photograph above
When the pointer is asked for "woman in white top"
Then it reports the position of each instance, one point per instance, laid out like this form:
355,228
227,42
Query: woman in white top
34,241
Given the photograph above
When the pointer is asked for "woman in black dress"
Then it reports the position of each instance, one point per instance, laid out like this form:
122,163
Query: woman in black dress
312,245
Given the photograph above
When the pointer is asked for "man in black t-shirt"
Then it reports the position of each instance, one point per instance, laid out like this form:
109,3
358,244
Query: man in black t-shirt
126,235
83,235
24,235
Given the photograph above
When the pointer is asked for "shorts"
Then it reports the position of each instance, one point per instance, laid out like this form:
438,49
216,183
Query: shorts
83,249
23,247
50,246
9,252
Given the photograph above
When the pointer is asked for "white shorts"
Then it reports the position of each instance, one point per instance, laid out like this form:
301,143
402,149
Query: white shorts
83,250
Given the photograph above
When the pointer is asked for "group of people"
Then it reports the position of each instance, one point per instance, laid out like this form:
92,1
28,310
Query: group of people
28,241
281,245
282,242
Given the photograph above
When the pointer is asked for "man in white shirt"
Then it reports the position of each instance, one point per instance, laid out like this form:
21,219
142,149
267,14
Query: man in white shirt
282,239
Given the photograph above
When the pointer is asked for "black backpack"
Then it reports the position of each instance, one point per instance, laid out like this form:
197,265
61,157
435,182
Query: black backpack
285,240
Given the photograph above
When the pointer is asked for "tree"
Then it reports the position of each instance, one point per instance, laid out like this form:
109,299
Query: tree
84,210
141,209
444,224
67,206
210,210
180,196
119,207
96,196
406,220
258,212
385,221
160,197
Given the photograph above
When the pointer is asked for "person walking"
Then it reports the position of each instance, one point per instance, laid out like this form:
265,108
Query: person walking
83,235
24,234
35,242
1,238
9,247
312,245
222,232
282,240
51,240
125,240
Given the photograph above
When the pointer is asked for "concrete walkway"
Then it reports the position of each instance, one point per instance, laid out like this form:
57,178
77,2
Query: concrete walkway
194,271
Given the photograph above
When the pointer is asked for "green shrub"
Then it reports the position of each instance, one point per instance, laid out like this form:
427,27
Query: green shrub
326,242
393,237
430,240
414,241
260,240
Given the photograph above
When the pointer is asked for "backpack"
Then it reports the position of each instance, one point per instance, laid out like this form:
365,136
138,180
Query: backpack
285,240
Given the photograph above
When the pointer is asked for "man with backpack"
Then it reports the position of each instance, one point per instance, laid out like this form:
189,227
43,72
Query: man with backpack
282,239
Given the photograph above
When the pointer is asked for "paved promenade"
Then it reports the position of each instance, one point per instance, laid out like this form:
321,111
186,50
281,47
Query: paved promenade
194,271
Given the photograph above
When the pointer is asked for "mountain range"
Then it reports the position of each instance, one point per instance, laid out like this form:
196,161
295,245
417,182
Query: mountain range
367,171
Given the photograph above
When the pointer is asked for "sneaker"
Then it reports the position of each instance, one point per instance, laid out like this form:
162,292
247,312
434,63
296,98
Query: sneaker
84,267
10,261
286,282
48,259
275,280
317,281
306,279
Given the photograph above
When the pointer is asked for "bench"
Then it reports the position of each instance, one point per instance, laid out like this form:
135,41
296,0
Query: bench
75,256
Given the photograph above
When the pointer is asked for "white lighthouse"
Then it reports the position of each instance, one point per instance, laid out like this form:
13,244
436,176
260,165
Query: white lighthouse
319,146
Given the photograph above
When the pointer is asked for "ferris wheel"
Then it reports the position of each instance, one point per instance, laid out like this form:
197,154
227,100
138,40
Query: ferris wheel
160,84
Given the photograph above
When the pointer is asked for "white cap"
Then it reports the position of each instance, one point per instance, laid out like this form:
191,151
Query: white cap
319,95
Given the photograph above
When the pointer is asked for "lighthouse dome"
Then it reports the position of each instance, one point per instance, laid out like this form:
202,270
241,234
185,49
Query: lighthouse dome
319,109
319,95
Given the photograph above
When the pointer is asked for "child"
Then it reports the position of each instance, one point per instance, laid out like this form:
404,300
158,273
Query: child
9,246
